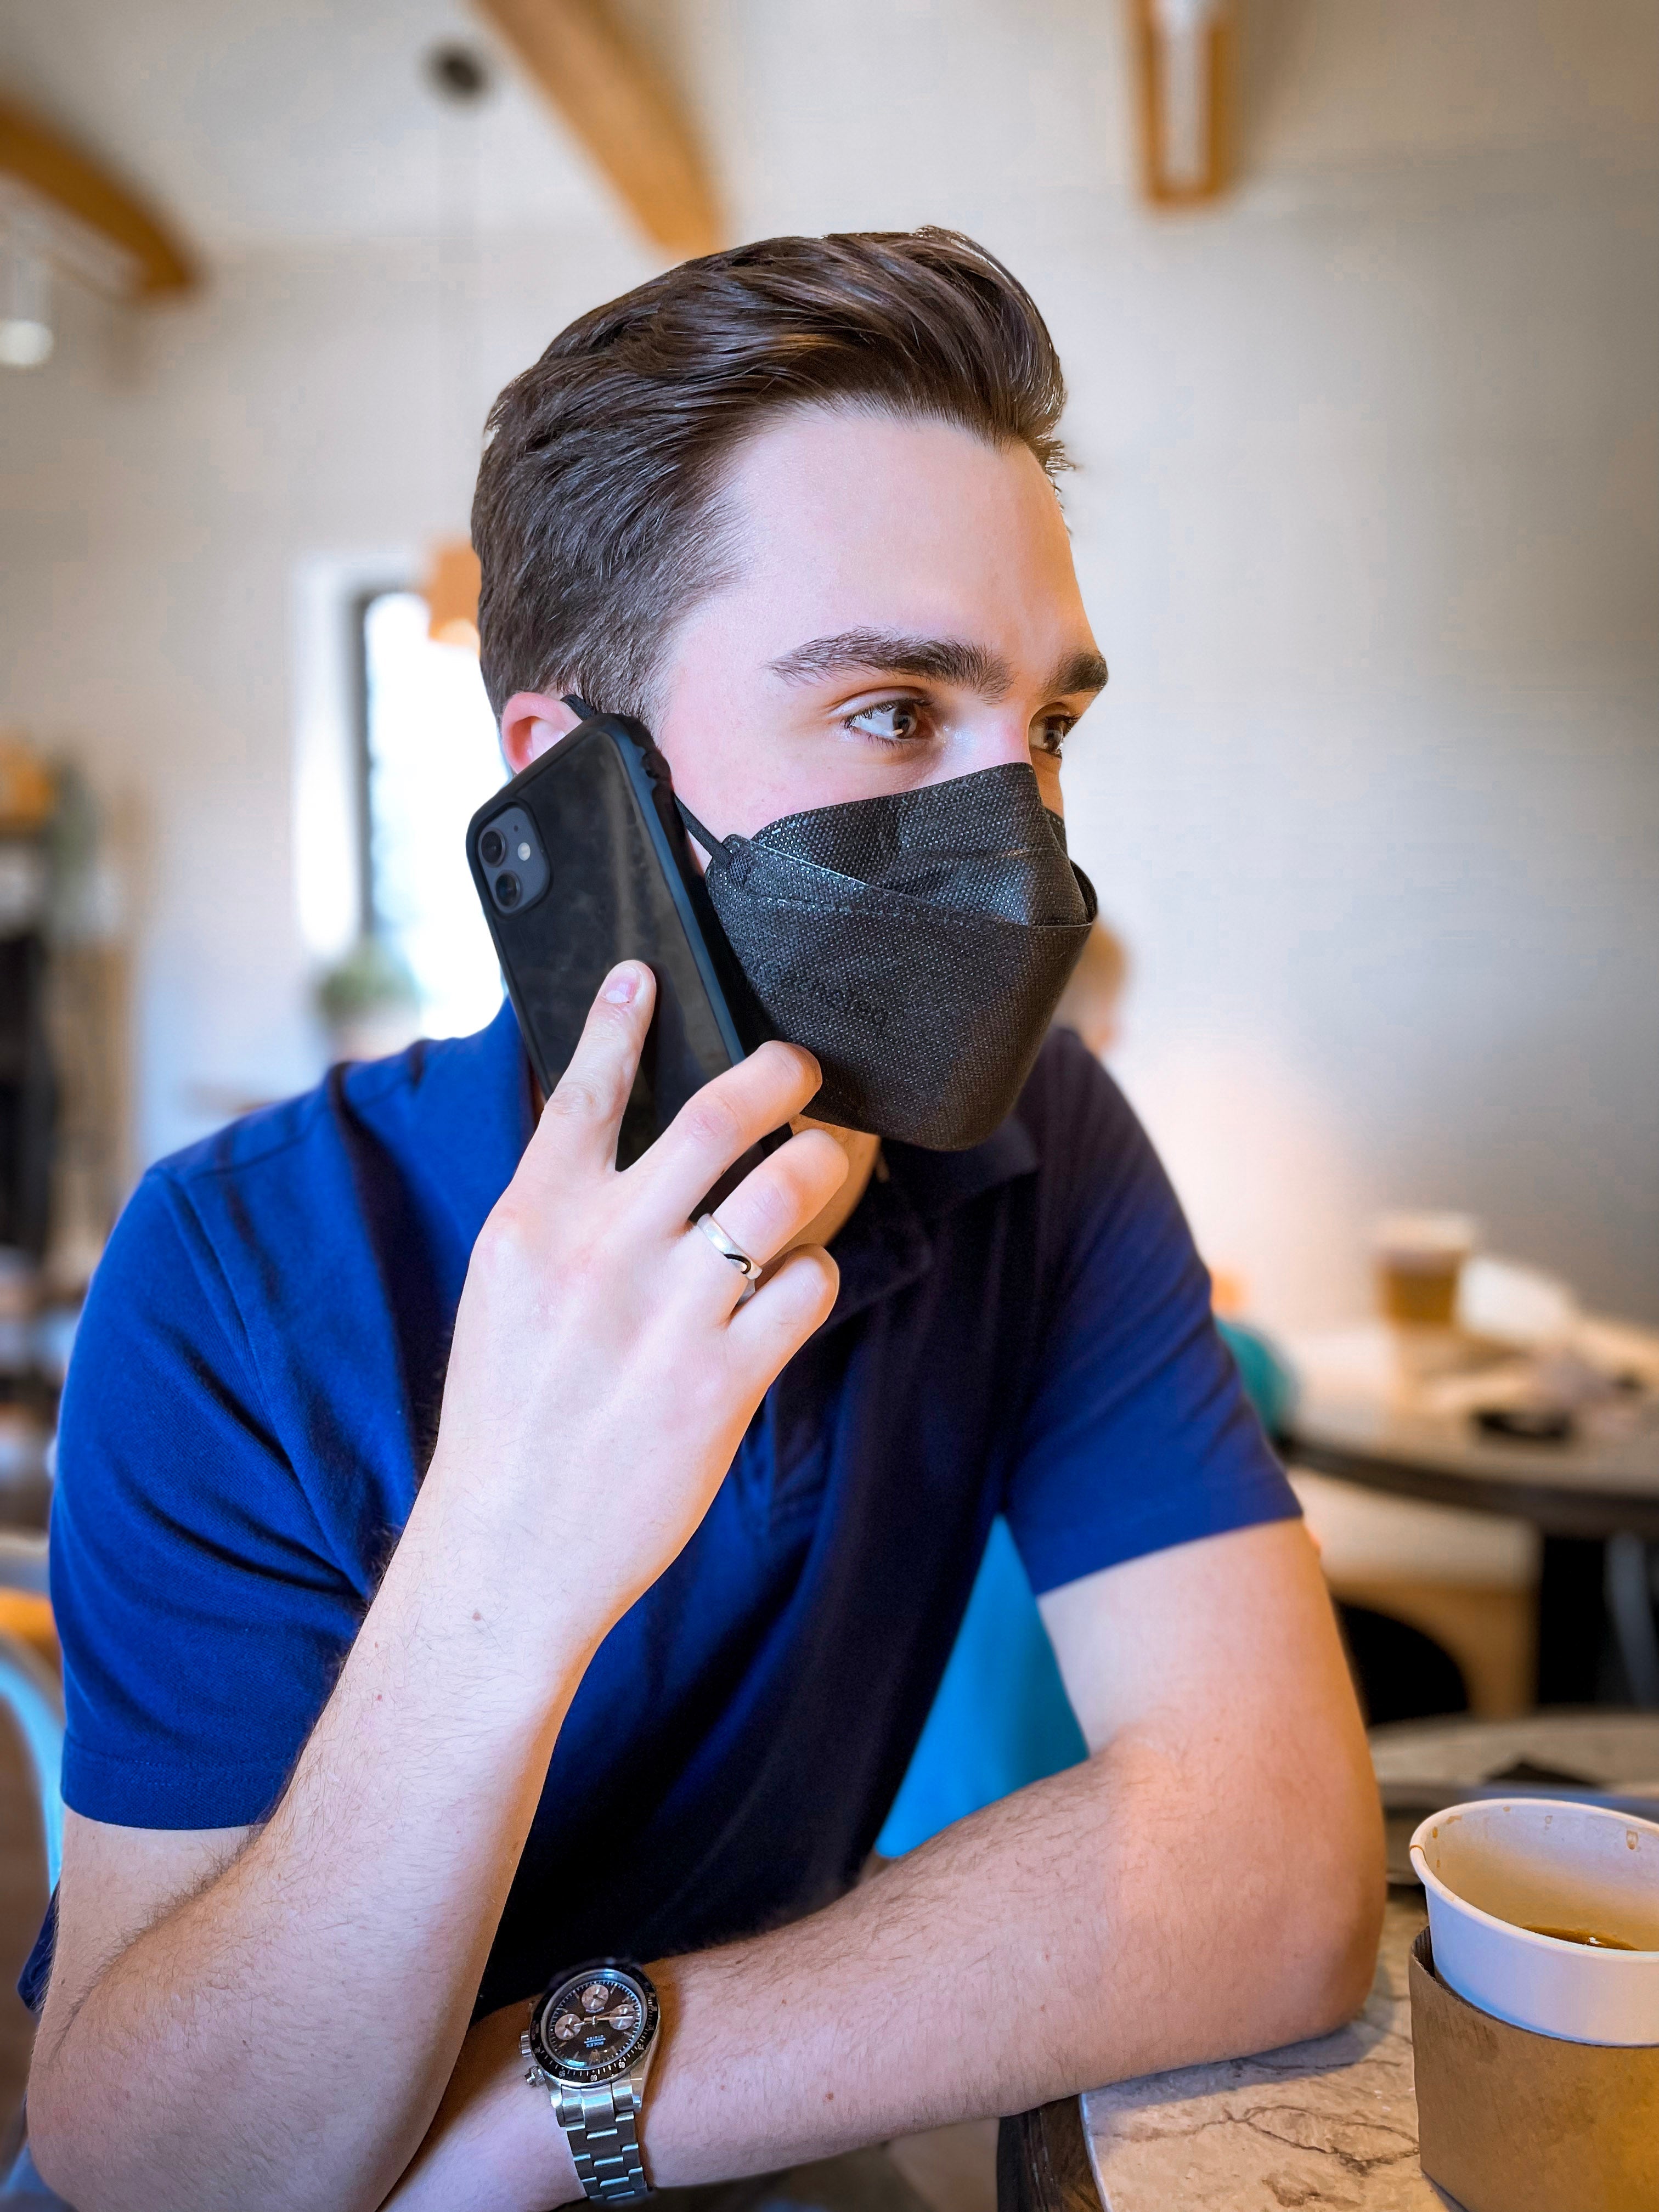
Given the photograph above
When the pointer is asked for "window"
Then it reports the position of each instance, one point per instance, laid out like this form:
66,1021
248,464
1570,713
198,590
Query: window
431,756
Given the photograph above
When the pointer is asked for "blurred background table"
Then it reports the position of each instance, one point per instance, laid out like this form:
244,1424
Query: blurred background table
1347,1422
1355,1421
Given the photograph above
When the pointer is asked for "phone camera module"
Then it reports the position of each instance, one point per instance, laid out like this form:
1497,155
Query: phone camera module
513,861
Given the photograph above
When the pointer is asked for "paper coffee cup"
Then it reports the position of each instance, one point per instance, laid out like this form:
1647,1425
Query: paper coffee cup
1511,1882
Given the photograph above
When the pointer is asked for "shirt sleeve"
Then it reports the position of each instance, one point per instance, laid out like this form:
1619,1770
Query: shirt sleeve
202,1618
1138,1434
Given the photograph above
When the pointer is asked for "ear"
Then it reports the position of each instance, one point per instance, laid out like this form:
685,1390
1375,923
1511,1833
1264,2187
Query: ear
533,723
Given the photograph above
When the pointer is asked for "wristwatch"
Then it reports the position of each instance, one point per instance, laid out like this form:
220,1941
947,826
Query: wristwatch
589,2044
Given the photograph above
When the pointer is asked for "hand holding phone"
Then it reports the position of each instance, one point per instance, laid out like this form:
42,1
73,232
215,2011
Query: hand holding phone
606,1362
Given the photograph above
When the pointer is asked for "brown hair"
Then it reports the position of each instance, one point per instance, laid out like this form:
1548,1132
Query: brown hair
597,519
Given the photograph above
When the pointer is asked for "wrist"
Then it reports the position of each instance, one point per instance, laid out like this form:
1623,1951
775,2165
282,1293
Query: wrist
491,1584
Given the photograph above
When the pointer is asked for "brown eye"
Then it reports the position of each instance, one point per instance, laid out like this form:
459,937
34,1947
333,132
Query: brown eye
894,722
1052,733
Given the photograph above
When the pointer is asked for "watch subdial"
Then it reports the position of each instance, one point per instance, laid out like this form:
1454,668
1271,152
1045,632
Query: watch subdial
595,1997
567,2026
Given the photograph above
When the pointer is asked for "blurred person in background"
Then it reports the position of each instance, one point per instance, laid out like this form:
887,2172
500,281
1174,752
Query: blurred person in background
1092,1004
464,1580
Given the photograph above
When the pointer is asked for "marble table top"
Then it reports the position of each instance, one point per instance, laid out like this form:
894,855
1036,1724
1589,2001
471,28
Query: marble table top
1328,2126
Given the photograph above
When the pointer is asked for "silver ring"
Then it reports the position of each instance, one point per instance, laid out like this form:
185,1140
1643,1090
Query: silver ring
749,1268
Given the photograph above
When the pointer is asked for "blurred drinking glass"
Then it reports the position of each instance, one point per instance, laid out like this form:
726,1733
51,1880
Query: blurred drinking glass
1419,1261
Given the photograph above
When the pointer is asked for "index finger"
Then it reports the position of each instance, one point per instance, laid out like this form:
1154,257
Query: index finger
581,1121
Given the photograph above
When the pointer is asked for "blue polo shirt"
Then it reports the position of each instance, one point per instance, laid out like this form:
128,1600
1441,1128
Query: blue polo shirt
1023,1328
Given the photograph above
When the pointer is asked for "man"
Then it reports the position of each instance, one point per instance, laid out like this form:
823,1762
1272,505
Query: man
367,1747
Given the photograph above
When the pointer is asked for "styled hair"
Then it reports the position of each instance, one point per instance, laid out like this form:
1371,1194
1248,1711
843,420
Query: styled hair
598,518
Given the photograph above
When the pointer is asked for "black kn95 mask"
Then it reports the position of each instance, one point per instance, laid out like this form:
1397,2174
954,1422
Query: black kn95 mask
917,944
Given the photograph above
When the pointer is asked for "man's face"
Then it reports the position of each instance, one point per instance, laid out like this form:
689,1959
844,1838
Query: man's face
904,609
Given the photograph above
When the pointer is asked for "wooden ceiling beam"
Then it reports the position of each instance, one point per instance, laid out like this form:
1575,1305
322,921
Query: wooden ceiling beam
623,113
34,153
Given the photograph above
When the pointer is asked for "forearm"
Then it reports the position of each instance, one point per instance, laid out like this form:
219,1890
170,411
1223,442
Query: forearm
1129,1915
1114,1920
283,2037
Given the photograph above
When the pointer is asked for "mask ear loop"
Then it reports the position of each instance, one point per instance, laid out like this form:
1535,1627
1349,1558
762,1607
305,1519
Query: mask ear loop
711,845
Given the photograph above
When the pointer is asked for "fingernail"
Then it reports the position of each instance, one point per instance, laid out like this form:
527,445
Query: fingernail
622,986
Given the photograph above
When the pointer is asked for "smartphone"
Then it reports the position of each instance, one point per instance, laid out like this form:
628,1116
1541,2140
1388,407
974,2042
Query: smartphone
580,862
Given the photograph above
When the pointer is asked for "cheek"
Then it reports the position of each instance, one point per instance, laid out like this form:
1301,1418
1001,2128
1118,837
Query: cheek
727,773
1047,776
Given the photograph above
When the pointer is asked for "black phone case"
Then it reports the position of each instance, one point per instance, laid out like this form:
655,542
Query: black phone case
620,885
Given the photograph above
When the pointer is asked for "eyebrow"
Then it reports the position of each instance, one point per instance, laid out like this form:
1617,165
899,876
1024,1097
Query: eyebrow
945,660
1080,672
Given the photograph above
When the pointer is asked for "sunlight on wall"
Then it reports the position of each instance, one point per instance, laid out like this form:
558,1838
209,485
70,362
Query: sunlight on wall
1257,1149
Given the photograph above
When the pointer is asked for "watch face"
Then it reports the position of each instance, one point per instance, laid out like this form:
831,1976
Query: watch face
593,2024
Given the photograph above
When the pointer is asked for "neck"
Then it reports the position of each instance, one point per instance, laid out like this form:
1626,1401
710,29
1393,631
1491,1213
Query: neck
862,1153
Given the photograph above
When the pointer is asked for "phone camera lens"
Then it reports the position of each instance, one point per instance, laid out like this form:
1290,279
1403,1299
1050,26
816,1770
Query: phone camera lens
507,889
492,848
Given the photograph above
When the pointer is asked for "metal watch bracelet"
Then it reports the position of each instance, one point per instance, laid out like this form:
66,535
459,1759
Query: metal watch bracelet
602,2125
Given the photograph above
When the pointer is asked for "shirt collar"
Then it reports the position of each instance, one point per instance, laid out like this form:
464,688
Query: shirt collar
886,1244
938,1183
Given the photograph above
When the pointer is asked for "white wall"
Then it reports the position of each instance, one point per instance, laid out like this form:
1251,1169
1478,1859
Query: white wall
1369,523
1366,516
